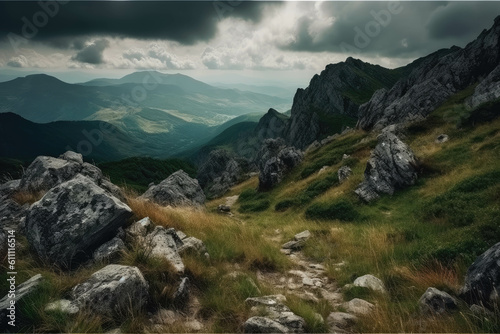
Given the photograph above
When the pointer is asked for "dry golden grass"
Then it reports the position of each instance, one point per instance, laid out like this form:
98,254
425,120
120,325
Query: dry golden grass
435,275
27,197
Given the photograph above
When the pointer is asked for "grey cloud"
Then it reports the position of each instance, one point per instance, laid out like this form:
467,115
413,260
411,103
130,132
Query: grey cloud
92,54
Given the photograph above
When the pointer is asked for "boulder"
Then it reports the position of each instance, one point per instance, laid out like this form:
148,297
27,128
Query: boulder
176,190
341,320
113,291
358,306
298,241
482,281
371,282
392,166
62,306
192,244
164,246
72,156
110,250
344,172
22,294
274,160
434,301
74,219
140,228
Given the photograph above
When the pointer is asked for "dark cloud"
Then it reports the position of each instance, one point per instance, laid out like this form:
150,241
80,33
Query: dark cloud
390,29
92,53
186,22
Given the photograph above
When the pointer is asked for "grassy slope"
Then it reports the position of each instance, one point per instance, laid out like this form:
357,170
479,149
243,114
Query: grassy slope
412,240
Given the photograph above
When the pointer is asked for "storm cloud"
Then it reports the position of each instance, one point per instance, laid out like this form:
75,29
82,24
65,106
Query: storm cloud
92,53
186,22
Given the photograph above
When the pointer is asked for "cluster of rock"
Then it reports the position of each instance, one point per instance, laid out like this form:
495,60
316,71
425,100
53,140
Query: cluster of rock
436,78
275,159
220,171
392,165
278,319
176,190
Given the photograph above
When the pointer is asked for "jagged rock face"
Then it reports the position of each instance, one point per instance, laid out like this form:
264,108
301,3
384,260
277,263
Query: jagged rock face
392,165
275,159
219,172
271,125
434,301
487,90
176,190
327,94
432,82
482,283
73,219
112,291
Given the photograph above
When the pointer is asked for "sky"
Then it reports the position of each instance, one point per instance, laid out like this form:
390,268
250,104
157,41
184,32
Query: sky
254,42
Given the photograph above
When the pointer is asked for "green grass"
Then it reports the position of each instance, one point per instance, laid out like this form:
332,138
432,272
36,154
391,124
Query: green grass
341,210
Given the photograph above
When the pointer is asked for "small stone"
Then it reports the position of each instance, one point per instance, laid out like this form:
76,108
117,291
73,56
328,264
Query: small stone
194,325
435,301
442,138
358,306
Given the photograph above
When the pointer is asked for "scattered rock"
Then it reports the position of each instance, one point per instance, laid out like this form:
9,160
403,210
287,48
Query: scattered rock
224,208
63,306
194,325
298,241
22,291
434,301
274,160
166,317
344,173
482,281
110,250
442,138
72,220
112,291
323,170
358,306
176,190
164,246
371,282
277,312
345,156
341,320
392,165
140,228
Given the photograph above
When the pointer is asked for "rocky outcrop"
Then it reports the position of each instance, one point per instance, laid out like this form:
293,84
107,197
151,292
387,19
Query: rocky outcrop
45,173
164,245
113,291
275,159
392,166
220,172
271,125
21,293
435,302
331,94
482,282
487,90
279,317
73,219
176,190
433,80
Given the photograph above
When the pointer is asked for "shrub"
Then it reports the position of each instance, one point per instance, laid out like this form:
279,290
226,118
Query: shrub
341,210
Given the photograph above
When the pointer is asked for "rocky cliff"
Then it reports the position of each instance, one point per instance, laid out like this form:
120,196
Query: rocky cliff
432,82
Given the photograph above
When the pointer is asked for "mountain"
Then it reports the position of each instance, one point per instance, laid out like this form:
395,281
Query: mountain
332,99
433,81
25,140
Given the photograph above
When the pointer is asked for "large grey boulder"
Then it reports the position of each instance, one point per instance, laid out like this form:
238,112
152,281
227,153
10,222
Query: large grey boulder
434,301
274,160
113,291
21,293
165,246
177,190
73,219
482,282
392,166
